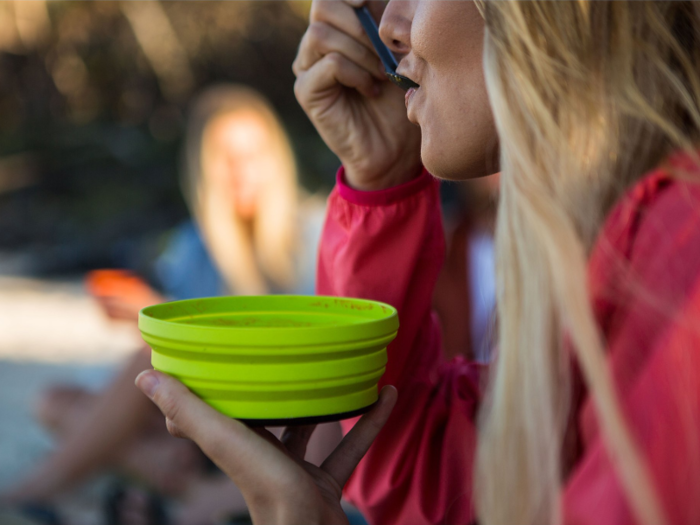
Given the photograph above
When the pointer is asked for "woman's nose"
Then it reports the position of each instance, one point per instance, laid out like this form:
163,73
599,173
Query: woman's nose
395,27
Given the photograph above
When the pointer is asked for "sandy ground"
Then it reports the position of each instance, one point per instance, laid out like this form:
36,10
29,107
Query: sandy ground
56,322
50,332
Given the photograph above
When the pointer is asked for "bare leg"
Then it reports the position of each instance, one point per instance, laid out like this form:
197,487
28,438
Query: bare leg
61,408
152,456
115,417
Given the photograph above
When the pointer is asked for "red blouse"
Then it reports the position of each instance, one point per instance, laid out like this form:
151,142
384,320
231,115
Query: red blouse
644,276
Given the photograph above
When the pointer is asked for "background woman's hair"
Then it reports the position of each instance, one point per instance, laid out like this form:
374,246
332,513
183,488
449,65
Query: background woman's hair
587,97
276,221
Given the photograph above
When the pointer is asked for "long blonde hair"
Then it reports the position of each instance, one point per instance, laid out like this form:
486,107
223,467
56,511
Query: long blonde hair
249,266
587,97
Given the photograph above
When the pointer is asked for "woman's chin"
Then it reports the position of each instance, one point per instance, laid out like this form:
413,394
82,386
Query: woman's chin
456,165
440,165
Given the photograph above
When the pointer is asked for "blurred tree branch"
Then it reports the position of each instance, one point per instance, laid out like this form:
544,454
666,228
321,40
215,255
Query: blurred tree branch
24,26
33,24
18,171
160,44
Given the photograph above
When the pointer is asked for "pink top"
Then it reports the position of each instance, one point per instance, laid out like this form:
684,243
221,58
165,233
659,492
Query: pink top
388,245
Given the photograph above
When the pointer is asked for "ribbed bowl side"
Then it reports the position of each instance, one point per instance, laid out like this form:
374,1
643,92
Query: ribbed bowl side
289,400
296,365
301,384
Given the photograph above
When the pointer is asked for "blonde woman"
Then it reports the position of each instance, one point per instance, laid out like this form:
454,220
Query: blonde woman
241,184
253,230
592,407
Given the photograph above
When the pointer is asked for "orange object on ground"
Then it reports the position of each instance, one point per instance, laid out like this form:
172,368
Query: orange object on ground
121,284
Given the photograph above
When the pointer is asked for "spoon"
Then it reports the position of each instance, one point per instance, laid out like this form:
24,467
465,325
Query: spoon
385,54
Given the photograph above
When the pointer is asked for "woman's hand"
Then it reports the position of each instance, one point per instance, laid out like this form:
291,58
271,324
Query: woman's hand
119,308
343,89
277,484
121,294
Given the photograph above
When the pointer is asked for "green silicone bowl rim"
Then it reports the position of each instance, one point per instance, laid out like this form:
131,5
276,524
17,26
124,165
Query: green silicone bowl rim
157,321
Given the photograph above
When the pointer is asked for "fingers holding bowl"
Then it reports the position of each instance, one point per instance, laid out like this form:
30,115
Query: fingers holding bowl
272,483
273,478
296,439
233,446
344,459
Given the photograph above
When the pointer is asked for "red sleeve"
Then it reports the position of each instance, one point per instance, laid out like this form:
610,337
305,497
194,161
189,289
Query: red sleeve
389,246
650,260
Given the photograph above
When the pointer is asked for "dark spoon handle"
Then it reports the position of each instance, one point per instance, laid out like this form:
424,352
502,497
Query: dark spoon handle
368,23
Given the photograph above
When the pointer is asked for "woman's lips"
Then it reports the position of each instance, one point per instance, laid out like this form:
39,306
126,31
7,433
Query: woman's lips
409,95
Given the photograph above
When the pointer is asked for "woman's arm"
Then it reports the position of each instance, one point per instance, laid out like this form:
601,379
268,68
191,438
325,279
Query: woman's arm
645,275
662,405
389,246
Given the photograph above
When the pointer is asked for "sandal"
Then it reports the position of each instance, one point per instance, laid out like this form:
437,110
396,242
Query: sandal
30,514
116,498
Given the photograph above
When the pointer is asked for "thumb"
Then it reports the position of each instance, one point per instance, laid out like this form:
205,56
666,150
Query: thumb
227,442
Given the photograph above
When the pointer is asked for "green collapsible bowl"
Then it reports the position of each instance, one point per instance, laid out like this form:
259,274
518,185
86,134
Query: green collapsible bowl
277,359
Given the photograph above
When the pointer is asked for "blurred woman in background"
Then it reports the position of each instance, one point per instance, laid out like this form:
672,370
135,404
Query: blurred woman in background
253,232
241,185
